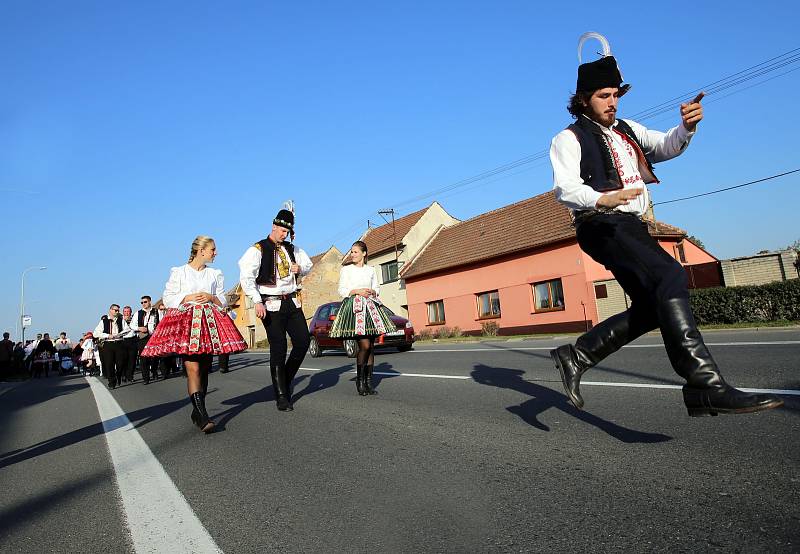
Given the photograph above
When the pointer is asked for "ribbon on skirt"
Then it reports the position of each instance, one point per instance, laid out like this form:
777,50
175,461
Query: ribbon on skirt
198,311
363,307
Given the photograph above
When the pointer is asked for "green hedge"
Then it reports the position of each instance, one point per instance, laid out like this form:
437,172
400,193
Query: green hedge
771,302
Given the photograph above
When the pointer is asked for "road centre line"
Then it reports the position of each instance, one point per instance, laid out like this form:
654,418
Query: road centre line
786,392
158,516
659,345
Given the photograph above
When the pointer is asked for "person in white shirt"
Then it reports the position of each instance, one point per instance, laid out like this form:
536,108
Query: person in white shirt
145,322
601,166
195,327
361,316
268,273
129,346
109,332
89,356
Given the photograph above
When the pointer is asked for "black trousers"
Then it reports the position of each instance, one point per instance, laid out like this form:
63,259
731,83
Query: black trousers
148,366
288,320
646,272
130,350
111,358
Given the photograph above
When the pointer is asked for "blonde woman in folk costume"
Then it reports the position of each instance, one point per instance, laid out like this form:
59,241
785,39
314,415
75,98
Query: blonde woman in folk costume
361,316
195,326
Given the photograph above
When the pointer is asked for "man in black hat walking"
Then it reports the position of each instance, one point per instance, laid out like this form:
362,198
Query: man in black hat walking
268,273
601,166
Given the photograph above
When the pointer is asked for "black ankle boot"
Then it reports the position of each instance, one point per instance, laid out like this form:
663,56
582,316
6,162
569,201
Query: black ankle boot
571,368
368,380
360,385
201,419
282,400
602,340
705,391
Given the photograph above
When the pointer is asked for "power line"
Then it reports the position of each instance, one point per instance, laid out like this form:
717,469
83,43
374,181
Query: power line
727,188
753,72
735,79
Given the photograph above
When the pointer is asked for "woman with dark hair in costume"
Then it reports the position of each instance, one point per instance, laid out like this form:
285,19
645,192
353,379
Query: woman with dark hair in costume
361,316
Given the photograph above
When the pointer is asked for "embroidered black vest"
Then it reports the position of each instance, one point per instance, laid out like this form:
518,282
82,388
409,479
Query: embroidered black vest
598,168
269,259
153,311
107,324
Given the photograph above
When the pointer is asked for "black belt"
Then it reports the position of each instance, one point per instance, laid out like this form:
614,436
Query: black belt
265,297
583,215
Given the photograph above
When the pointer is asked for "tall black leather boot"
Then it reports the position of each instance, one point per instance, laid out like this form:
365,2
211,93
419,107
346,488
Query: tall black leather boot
201,418
600,341
278,374
360,387
705,391
368,380
291,371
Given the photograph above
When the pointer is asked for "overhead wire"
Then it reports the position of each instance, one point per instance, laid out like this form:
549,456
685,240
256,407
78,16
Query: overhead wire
726,188
730,81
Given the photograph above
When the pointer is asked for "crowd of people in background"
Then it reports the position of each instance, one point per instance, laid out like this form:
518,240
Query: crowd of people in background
114,354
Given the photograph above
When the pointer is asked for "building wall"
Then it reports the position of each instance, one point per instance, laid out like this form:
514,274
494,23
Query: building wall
759,269
321,285
512,278
393,294
246,321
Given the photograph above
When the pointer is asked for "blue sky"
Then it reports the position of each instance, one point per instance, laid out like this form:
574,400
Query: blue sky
126,129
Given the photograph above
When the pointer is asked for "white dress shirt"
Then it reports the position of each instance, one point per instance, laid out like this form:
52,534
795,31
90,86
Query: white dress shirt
99,332
185,280
62,344
149,322
250,263
354,277
565,155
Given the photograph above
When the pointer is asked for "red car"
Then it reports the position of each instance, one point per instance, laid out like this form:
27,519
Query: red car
320,325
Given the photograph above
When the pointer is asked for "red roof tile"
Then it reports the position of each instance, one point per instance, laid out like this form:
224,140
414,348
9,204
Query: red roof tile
381,239
522,226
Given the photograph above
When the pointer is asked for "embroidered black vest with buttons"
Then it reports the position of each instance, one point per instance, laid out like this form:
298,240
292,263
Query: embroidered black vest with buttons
598,169
269,259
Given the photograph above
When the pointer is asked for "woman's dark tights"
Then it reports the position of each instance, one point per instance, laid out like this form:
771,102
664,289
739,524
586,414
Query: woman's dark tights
366,351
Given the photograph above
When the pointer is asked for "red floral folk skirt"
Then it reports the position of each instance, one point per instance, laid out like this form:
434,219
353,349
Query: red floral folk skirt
194,329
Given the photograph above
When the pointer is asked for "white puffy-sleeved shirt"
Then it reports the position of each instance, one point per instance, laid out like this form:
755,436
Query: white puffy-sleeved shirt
354,277
565,155
185,280
250,263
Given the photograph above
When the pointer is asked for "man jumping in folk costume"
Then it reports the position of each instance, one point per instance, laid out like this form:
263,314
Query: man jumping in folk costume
268,273
601,166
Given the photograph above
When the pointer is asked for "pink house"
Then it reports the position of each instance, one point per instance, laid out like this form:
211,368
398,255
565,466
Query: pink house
520,267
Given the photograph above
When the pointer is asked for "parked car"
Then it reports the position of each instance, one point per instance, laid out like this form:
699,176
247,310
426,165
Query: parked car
320,325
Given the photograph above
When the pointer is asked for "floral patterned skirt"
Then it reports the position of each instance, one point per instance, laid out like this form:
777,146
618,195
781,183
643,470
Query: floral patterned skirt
360,317
194,329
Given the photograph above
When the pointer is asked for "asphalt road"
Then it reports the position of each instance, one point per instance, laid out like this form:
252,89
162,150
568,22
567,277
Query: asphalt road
466,448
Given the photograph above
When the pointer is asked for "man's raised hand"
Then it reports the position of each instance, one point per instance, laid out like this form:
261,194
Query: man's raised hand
692,112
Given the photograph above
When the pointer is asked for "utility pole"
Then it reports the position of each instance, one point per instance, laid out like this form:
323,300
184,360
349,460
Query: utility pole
394,234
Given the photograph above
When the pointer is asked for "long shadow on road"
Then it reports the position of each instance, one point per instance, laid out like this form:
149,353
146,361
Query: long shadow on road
139,418
596,369
543,398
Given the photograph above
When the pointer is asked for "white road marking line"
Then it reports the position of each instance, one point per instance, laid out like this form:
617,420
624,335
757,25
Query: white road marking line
787,392
157,514
395,374
659,345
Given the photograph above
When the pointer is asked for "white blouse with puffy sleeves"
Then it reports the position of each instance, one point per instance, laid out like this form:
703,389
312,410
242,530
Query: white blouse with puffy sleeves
354,277
185,280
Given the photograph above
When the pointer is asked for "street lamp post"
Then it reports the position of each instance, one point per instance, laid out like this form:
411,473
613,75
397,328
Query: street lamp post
22,300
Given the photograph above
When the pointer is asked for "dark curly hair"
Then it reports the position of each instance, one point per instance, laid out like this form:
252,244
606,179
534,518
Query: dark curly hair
578,103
